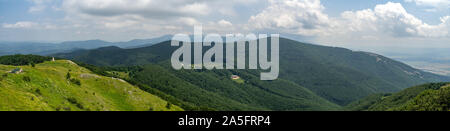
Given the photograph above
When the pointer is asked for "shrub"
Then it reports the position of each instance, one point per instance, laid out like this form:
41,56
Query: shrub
26,78
75,102
75,81
3,76
168,106
68,75
38,91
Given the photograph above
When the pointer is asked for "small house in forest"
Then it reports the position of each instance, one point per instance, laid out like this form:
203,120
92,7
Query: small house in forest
16,71
234,77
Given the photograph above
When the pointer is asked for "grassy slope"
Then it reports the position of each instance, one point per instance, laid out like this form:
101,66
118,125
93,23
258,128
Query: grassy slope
49,90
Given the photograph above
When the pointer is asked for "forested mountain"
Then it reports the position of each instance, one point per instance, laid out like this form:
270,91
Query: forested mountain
336,74
62,85
427,97
11,48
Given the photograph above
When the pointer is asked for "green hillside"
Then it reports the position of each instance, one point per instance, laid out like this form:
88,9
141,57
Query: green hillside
427,97
338,75
342,76
215,89
48,87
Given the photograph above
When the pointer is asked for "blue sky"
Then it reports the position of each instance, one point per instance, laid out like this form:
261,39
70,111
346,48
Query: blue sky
348,23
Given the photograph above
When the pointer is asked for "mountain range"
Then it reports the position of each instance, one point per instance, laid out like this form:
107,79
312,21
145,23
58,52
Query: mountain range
11,48
312,77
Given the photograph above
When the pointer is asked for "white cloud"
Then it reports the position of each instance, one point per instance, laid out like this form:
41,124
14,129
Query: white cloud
148,17
20,24
129,19
393,19
159,9
432,3
37,8
222,27
38,5
224,23
189,21
304,17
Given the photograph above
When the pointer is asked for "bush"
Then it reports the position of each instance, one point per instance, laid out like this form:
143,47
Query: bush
3,76
68,75
38,91
168,106
26,78
75,81
75,102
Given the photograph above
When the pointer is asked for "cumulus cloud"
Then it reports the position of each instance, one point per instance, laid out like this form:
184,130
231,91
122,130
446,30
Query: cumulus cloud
393,19
304,17
144,18
149,16
224,23
222,27
159,9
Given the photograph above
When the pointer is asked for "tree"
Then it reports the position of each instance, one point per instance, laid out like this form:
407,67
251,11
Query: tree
168,106
68,76
26,78
18,60
75,81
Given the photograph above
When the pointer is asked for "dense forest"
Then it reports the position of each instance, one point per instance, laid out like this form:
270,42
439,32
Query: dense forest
215,90
426,97
192,92
19,59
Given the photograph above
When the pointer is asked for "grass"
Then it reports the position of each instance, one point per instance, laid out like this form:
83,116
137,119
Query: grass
119,74
45,88
239,80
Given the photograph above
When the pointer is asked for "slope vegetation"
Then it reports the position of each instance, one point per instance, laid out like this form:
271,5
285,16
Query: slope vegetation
338,75
64,86
427,97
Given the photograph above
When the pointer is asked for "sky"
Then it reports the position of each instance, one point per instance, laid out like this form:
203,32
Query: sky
357,24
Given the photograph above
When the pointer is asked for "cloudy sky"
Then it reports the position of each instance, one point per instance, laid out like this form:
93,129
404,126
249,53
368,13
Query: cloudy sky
348,23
